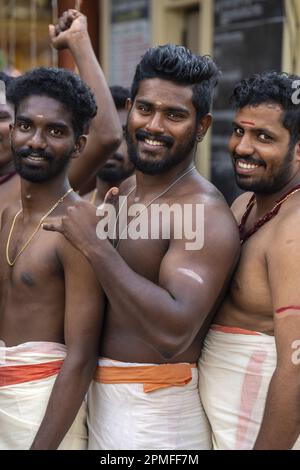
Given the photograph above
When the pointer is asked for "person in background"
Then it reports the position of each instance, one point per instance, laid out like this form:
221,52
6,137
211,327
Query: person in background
118,166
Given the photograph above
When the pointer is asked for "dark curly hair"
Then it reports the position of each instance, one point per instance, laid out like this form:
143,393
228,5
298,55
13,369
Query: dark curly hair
62,85
271,87
7,79
178,64
120,95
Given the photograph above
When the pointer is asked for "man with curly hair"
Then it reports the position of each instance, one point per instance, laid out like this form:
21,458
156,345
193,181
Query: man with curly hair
161,294
249,367
105,132
51,304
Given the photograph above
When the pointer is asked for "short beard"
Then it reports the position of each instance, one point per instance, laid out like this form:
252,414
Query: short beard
114,175
171,159
270,186
39,175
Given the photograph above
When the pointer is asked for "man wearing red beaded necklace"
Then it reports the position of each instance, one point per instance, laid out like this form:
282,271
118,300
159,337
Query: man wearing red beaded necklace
249,368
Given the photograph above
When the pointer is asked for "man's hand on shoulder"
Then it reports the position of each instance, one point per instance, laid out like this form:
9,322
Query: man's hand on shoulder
79,225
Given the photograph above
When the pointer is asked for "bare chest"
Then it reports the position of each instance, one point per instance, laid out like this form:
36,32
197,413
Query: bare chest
250,291
28,265
9,192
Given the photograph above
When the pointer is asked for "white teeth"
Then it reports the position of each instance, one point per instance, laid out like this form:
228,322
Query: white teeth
247,166
39,159
155,143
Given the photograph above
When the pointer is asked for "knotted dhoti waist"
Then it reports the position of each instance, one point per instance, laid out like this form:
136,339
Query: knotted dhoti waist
153,377
122,416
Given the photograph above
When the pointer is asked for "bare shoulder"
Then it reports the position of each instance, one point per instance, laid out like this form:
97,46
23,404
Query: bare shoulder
200,191
287,223
239,205
282,251
88,196
9,212
69,257
220,227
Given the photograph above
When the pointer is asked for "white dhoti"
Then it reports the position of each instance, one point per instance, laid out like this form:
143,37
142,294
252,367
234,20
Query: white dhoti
27,374
235,369
146,406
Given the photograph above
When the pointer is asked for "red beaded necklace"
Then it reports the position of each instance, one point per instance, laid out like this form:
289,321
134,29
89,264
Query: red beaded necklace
245,234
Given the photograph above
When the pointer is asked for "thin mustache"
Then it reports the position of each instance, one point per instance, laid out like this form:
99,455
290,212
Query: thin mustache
247,159
141,135
27,152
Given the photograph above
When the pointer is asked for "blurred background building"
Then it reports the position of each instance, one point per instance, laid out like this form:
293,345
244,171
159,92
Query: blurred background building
243,36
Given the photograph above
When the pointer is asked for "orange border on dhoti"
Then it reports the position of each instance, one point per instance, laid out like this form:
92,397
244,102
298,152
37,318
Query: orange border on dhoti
152,377
234,330
12,375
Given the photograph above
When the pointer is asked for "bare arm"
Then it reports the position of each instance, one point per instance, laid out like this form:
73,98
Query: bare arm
105,134
82,328
190,282
280,427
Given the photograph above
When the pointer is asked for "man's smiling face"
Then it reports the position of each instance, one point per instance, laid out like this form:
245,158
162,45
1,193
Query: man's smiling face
43,138
161,129
260,148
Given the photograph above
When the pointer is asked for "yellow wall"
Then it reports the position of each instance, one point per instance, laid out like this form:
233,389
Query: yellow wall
291,37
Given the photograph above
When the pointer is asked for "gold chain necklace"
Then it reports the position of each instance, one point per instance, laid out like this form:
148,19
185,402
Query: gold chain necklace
11,263
144,208
94,196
